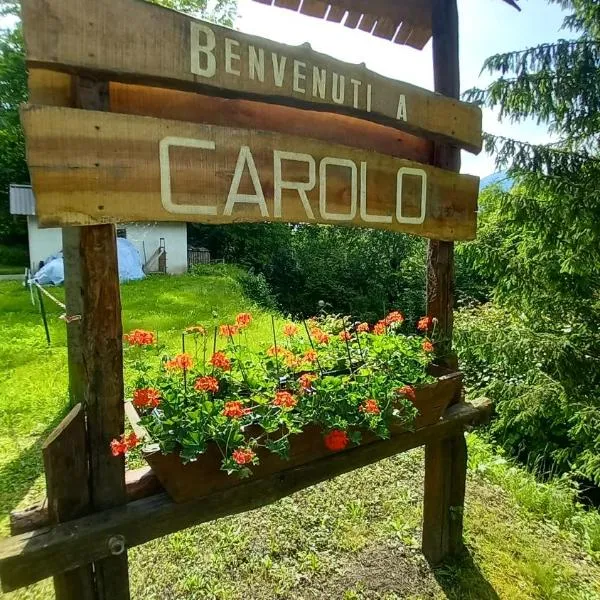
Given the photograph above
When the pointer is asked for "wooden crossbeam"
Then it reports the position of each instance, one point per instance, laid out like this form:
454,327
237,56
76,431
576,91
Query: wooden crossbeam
31,557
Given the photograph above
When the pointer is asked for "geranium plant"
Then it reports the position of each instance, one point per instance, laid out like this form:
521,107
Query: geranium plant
345,378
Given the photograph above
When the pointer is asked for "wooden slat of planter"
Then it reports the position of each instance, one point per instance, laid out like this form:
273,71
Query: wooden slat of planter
31,557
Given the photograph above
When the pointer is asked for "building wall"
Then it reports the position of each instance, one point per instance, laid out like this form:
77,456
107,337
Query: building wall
46,242
42,242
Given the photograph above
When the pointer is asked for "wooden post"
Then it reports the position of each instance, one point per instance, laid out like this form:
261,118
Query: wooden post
446,460
66,470
96,359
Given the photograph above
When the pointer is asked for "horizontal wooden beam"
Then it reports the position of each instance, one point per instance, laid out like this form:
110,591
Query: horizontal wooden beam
117,40
95,167
31,557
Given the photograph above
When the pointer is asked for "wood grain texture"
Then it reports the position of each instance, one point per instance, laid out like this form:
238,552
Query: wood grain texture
90,167
116,39
66,471
31,557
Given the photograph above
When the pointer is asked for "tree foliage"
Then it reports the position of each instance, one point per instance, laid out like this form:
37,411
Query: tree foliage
539,243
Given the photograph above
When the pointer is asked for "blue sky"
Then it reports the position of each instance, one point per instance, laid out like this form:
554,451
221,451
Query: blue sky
486,26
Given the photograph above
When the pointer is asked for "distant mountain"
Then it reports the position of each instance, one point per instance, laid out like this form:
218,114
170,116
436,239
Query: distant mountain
500,178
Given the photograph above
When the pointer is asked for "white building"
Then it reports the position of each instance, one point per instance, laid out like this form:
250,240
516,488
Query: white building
148,238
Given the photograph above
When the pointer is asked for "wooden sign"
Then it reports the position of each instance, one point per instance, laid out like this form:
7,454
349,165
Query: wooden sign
93,167
118,39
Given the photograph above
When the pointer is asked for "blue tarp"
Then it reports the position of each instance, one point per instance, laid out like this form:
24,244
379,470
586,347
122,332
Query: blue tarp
130,265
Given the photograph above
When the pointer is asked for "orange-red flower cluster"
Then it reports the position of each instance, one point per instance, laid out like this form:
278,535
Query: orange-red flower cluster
146,398
243,320
319,336
235,410
220,361
306,380
139,337
196,329
370,406
285,355
180,362
285,400
406,390
228,330
394,317
243,456
336,440
424,323
207,384
379,328
310,356
362,328
124,443
345,336
427,346
290,329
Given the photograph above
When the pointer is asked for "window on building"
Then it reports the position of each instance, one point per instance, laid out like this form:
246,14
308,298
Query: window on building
122,232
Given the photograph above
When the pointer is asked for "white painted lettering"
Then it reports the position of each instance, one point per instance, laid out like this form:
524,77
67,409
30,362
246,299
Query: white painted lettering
301,187
299,77
319,80
245,158
355,83
278,69
401,112
206,49
256,63
230,56
339,162
418,173
364,215
338,86
165,175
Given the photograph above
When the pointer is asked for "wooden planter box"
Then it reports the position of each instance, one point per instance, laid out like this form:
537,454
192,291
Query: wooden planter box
200,478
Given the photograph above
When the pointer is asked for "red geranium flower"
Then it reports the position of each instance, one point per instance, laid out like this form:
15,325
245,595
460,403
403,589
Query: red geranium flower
285,400
306,381
220,361
290,329
276,351
345,336
243,320
124,443
207,384
139,337
180,362
379,328
362,328
310,356
228,330
146,398
235,410
243,456
394,317
424,323
336,440
370,406
406,390
319,336
427,346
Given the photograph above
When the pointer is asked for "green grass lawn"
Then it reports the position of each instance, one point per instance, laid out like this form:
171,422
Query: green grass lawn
355,537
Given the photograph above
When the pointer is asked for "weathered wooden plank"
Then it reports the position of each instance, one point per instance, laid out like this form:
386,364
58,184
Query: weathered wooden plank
335,14
352,19
445,460
89,167
385,28
28,558
66,469
418,38
314,8
367,23
111,38
291,4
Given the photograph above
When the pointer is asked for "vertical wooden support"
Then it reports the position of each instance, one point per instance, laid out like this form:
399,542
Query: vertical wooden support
66,469
96,359
446,460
